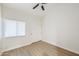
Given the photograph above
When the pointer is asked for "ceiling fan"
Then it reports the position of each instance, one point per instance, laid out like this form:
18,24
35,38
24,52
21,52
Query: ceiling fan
42,6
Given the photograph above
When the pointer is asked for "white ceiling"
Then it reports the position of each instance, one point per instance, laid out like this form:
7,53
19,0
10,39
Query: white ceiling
27,8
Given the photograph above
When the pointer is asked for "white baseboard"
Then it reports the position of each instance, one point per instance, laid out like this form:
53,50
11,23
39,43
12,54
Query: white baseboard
61,47
18,46
37,41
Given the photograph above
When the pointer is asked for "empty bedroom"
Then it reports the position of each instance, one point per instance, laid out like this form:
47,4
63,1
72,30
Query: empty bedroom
39,29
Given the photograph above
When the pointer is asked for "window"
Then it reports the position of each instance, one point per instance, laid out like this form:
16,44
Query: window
20,28
9,28
14,28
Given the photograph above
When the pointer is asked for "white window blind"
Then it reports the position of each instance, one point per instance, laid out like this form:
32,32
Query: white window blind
9,28
14,28
20,28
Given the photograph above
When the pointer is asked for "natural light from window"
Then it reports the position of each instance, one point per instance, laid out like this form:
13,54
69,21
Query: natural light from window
14,28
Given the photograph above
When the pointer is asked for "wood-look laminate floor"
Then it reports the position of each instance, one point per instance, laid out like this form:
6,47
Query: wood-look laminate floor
38,49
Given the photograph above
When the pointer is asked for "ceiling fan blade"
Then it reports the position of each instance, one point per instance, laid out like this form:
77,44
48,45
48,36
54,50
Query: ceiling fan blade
42,7
36,6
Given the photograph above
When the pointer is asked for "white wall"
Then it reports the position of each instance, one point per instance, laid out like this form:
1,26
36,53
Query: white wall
0,29
61,26
33,29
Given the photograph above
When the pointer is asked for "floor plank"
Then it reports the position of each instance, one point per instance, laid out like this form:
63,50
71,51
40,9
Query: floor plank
38,49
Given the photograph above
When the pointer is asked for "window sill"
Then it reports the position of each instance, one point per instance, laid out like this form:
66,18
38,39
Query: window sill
15,36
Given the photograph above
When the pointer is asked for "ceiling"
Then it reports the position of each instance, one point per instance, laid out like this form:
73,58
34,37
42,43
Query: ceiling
27,8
